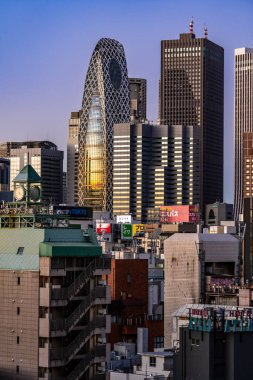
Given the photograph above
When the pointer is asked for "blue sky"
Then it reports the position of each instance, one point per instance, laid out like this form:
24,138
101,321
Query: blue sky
46,46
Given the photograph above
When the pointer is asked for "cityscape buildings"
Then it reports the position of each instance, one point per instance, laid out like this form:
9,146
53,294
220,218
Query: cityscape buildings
72,157
243,120
45,158
154,166
138,98
214,343
202,268
4,174
191,93
106,101
53,316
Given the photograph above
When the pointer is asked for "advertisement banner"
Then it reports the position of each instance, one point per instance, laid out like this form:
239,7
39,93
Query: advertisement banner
179,214
103,228
138,229
126,231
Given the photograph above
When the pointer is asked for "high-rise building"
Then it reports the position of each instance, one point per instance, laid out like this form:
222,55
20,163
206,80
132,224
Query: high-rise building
154,166
106,101
72,157
199,268
191,93
4,174
138,98
45,158
243,127
53,313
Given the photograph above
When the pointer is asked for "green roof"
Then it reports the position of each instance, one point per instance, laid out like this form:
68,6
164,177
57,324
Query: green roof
27,174
71,249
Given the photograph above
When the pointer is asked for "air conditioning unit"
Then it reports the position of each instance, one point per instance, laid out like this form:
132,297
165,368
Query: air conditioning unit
102,340
102,311
117,357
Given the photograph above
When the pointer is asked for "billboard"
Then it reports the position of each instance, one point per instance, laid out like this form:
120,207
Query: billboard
103,228
73,212
138,229
126,231
126,218
179,214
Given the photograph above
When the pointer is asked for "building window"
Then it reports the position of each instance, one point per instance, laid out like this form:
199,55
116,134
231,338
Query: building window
17,339
18,281
195,342
158,341
18,310
152,361
20,250
17,369
129,278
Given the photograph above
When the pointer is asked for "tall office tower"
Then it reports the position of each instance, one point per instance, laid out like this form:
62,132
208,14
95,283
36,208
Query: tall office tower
243,124
72,157
154,166
138,98
191,93
53,313
4,174
106,101
45,158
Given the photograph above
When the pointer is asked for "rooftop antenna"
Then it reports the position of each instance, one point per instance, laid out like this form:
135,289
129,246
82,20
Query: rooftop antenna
191,25
205,31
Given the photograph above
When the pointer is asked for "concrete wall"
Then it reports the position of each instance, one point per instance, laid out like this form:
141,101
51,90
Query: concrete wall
19,327
182,279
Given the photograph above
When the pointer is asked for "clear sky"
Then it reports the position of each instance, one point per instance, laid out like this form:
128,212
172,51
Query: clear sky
46,45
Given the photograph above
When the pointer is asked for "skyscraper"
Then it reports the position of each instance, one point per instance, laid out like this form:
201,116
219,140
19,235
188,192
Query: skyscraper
45,158
138,98
191,93
105,102
72,157
154,166
243,127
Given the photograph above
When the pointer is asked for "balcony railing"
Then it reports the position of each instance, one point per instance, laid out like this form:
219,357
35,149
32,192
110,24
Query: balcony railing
79,282
81,368
63,326
62,355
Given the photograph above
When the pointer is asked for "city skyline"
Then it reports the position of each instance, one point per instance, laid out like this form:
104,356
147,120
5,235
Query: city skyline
46,51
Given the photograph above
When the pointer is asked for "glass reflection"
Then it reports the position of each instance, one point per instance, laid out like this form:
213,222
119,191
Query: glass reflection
94,163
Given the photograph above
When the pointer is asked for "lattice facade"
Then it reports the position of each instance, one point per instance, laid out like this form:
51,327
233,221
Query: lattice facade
106,101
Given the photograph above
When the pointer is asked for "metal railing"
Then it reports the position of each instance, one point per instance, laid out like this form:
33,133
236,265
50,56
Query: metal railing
79,282
81,368
65,354
67,324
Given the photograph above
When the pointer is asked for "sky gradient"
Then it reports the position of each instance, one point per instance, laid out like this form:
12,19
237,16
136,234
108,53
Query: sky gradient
46,46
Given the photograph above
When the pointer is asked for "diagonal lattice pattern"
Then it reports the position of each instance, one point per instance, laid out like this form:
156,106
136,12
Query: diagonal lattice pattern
107,78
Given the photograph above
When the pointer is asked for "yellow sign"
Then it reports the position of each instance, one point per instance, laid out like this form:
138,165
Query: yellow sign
138,229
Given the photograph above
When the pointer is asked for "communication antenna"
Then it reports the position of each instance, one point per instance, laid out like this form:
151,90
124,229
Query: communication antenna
205,32
191,25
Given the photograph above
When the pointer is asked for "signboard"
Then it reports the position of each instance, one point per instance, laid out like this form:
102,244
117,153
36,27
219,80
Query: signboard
179,214
73,212
127,218
126,231
138,229
103,228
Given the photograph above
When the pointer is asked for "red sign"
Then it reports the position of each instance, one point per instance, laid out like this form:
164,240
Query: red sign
103,228
179,214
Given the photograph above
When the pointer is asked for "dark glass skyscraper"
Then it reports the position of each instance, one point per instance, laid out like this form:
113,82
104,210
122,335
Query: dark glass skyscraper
191,93
106,101
243,127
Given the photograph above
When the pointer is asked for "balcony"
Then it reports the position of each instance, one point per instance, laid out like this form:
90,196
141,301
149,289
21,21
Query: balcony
95,355
62,355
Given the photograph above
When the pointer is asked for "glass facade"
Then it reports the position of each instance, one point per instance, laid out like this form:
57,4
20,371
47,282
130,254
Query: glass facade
94,156
101,110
